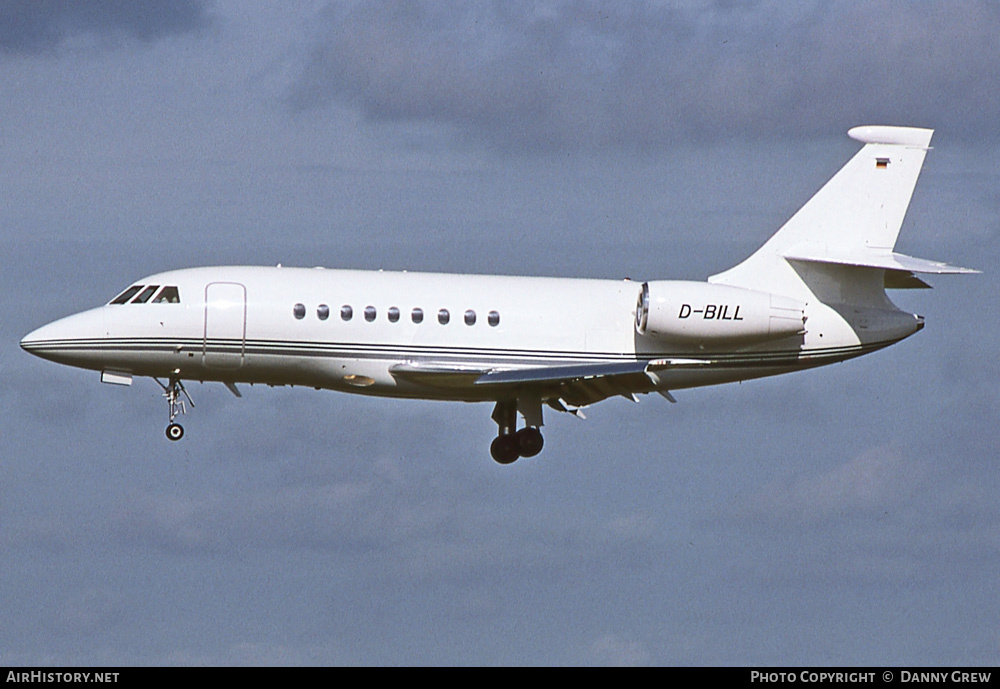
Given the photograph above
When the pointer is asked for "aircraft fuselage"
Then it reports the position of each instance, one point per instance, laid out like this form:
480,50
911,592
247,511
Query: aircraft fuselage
348,330
813,294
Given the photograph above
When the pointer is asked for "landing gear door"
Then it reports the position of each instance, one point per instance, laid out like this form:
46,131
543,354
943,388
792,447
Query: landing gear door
224,344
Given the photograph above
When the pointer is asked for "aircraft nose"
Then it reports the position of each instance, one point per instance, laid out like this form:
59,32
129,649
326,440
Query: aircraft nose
66,339
36,340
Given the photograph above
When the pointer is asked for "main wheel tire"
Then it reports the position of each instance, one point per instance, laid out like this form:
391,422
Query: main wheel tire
504,449
529,441
175,431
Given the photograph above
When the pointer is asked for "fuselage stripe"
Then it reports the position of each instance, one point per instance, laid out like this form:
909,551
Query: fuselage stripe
400,351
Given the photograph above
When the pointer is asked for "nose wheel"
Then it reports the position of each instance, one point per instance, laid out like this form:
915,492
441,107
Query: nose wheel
173,390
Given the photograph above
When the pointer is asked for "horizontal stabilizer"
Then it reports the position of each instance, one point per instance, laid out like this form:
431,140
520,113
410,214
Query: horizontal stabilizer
872,258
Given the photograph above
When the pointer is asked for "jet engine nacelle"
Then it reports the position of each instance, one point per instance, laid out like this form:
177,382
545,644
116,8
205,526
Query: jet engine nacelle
702,312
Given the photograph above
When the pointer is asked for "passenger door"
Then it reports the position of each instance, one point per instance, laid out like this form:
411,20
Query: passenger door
224,343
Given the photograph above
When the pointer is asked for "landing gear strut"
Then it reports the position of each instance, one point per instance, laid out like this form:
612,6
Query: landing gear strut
511,443
172,391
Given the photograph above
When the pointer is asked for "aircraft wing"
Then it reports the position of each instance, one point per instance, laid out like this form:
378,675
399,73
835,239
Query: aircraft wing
437,375
555,374
563,387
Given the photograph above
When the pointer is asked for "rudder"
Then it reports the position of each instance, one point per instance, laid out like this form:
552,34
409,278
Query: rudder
853,220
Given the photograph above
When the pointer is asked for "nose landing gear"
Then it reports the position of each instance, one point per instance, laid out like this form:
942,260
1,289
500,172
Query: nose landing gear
172,391
511,443
175,431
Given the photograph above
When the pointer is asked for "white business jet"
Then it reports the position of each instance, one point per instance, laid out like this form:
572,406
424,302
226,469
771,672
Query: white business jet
813,294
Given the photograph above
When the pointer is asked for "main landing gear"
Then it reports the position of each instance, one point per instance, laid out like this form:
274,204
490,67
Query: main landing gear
511,443
172,391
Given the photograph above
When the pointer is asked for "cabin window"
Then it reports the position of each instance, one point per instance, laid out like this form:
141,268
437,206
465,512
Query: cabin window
299,311
444,316
346,313
127,294
370,313
145,294
168,295
417,315
494,318
322,312
470,317
393,314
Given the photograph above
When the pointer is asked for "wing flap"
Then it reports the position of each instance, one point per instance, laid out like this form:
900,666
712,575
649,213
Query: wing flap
584,384
576,385
556,374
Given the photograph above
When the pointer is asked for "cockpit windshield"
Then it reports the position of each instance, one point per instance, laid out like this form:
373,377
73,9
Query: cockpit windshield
145,294
127,294
167,295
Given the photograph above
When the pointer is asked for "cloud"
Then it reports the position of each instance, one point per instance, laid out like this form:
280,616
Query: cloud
879,479
611,650
39,26
886,515
570,75
419,539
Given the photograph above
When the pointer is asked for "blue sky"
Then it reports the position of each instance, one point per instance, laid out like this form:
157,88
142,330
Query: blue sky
845,515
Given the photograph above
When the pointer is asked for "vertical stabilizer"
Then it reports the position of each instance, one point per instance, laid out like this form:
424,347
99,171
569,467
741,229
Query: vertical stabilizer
852,220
